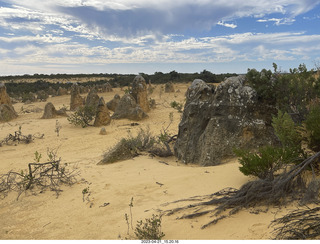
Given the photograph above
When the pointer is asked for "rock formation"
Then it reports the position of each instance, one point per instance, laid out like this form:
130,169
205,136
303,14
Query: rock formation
169,87
62,91
51,112
112,104
4,97
42,95
102,114
7,111
129,109
139,92
216,121
92,99
76,99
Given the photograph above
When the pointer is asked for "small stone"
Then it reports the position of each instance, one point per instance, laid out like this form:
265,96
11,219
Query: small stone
103,131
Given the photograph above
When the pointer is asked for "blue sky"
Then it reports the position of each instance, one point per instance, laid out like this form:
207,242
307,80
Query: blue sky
133,36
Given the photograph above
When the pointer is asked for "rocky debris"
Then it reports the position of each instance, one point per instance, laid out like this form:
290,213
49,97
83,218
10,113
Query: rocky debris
51,112
62,91
112,104
103,131
128,109
169,87
102,114
7,111
216,121
92,99
76,99
139,92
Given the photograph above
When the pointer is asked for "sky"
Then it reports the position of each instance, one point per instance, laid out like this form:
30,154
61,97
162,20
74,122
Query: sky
147,36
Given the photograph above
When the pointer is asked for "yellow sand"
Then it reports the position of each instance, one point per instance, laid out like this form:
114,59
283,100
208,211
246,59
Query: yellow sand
69,217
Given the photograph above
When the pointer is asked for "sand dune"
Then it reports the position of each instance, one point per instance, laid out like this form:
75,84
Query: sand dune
111,187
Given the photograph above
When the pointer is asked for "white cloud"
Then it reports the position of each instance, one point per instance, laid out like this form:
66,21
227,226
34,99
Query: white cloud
227,24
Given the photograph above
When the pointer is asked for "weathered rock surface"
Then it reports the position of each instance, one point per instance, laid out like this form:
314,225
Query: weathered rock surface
92,99
4,97
7,111
216,121
128,109
76,99
102,114
51,112
140,93
62,91
112,104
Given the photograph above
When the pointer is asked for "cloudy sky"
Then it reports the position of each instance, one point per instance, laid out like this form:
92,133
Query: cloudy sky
133,36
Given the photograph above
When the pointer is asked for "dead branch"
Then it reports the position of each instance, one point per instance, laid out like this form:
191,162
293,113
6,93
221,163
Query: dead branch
18,137
286,187
40,176
300,224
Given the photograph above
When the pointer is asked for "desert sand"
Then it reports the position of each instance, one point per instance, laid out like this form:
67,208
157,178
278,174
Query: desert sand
111,187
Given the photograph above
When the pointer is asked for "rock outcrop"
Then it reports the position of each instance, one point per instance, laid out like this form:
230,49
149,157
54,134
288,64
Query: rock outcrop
216,121
62,91
140,93
128,109
92,99
102,114
7,111
169,87
76,99
112,104
51,112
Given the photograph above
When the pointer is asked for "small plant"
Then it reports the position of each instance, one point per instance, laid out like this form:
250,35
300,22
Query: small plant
150,229
37,157
177,105
83,116
58,128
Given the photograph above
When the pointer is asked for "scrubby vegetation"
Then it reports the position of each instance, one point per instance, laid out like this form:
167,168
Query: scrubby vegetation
38,177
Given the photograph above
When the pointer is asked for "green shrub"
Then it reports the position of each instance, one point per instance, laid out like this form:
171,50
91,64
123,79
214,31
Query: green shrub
83,116
265,162
286,130
150,229
176,105
312,126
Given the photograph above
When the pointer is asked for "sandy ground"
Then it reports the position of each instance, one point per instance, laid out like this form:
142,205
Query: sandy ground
43,216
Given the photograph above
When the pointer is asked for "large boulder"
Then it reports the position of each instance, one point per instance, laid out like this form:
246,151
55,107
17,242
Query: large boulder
4,97
7,111
92,99
76,99
62,91
216,121
140,93
102,114
51,112
128,109
112,104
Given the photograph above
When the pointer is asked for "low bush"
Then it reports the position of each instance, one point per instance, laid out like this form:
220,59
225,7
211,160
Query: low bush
150,229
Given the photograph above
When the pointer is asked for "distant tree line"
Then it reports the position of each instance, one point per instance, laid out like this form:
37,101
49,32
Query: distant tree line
16,85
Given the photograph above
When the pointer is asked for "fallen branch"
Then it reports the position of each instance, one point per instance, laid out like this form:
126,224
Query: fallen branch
286,187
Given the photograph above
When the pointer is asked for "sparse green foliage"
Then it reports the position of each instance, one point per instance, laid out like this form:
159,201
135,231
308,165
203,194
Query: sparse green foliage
58,128
287,132
37,157
265,162
83,116
312,126
176,105
150,229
